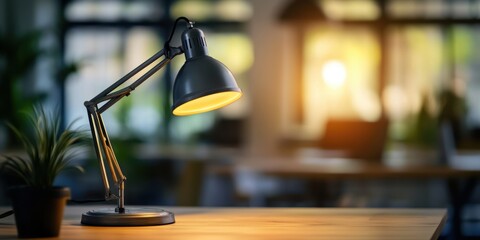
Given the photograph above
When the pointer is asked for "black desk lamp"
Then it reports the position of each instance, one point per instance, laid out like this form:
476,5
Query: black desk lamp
202,84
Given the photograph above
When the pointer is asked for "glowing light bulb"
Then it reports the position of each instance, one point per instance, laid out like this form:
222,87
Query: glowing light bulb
334,73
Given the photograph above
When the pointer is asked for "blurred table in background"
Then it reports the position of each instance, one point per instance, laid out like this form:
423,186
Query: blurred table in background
460,179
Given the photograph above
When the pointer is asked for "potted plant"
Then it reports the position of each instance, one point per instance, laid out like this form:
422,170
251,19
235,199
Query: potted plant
38,204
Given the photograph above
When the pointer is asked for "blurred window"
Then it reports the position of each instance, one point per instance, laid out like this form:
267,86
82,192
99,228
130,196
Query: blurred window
340,74
418,70
111,10
226,10
431,63
434,9
109,38
350,9
105,56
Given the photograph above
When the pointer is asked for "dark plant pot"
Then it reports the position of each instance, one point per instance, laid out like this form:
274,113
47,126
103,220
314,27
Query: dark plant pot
39,212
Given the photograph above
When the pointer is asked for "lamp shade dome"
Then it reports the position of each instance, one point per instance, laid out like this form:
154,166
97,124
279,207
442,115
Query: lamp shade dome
203,84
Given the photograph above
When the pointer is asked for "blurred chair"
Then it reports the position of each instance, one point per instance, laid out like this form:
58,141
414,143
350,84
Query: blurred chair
357,139
226,132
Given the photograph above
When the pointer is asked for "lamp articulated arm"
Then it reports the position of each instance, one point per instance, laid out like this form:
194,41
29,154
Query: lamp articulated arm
103,147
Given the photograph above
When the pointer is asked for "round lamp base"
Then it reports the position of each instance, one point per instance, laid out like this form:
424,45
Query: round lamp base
131,217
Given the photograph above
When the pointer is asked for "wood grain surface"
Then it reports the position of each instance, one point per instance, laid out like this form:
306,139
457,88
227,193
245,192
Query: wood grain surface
262,223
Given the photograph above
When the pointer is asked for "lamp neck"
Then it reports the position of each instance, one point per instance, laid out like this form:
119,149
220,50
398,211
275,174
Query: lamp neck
194,43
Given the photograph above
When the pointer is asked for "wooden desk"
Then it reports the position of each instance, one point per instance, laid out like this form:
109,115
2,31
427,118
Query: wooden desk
264,223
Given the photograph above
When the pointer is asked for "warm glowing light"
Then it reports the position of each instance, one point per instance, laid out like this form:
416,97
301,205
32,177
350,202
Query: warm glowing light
207,103
334,73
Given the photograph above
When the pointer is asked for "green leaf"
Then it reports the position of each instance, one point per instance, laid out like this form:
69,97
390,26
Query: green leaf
49,150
